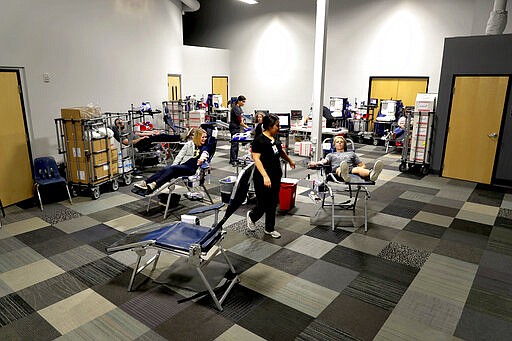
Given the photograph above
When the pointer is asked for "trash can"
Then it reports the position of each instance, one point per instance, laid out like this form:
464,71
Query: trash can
226,188
287,193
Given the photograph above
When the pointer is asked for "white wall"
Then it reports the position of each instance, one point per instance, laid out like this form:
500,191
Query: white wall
113,53
272,51
200,64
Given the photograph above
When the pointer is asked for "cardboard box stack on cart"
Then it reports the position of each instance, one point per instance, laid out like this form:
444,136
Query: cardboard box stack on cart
87,158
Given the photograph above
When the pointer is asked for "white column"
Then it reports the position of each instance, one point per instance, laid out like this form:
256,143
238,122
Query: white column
322,10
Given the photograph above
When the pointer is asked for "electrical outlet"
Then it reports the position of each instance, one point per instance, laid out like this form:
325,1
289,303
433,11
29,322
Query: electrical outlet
46,77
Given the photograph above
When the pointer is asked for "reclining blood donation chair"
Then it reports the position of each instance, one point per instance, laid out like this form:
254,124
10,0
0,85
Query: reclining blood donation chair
332,185
196,246
190,182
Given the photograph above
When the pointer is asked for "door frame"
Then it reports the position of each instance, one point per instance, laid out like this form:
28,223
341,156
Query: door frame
173,75
20,75
502,123
226,100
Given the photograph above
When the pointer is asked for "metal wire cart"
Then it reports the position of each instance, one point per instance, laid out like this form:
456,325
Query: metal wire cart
90,159
418,131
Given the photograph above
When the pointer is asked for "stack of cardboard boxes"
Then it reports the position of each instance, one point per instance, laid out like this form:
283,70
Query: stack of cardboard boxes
89,160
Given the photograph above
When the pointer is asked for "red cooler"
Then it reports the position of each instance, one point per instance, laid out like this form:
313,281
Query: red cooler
287,194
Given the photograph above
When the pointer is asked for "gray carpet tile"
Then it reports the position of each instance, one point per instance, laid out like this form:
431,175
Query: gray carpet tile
441,210
475,325
487,195
94,233
184,325
359,319
289,261
327,234
318,330
272,320
56,245
32,327
458,250
329,275
99,271
154,306
430,230
12,308
363,262
240,302
405,255
55,289
40,235
470,226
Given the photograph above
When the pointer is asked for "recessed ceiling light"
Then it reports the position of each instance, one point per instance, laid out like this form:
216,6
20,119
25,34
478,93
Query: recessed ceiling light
250,2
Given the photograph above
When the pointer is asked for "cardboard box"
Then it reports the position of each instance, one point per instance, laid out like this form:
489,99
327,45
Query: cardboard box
81,173
305,148
78,113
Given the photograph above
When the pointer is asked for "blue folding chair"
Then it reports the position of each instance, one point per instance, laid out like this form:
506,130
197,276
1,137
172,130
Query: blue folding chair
46,173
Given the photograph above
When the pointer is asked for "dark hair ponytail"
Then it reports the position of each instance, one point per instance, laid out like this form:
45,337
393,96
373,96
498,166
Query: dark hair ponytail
269,121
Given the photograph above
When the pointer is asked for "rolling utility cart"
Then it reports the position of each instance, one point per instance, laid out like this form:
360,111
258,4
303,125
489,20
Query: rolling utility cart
90,160
125,153
418,131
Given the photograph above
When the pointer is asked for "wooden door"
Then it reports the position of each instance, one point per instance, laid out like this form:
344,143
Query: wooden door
174,87
404,89
16,181
220,87
474,128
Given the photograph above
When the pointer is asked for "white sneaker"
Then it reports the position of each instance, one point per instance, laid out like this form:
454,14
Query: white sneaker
375,172
344,171
273,234
314,196
141,185
250,225
151,187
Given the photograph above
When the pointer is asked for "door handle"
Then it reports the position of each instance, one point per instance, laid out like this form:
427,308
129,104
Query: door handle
493,135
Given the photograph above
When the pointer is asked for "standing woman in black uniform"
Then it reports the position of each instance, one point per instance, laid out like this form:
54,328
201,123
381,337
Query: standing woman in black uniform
266,153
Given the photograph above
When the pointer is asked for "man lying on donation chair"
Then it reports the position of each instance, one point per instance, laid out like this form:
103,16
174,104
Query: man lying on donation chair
143,140
349,163
193,154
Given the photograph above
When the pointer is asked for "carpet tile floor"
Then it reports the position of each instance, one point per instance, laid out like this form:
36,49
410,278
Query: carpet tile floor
435,264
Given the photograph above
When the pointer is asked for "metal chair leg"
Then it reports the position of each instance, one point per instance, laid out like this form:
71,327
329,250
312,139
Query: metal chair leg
39,196
69,194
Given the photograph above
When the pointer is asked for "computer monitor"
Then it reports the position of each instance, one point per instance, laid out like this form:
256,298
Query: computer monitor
284,120
296,114
374,101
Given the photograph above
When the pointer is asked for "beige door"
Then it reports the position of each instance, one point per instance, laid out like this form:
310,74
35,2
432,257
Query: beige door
220,87
174,87
474,128
16,182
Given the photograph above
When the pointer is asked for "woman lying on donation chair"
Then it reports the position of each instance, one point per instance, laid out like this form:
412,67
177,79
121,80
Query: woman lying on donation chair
193,154
349,162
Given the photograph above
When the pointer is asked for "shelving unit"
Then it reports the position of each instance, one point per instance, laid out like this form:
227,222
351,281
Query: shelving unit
89,157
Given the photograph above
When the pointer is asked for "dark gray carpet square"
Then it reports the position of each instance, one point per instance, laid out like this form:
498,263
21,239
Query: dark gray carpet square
272,320
487,195
441,210
470,226
40,235
56,245
12,308
435,231
32,327
326,233
476,325
289,261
